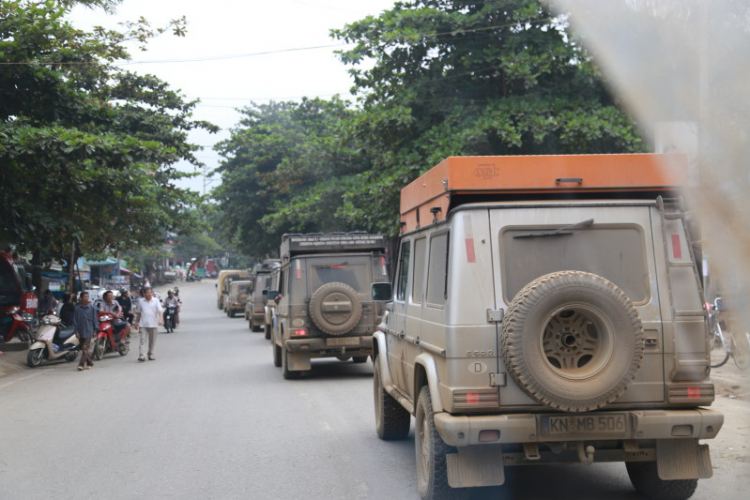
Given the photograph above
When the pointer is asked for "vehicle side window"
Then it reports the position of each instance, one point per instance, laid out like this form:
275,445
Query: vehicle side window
437,273
417,287
403,270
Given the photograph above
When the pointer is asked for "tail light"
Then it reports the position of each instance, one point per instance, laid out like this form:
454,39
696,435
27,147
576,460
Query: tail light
300,332
475,399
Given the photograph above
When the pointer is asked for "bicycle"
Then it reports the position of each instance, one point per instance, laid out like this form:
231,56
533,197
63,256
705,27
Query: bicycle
736,346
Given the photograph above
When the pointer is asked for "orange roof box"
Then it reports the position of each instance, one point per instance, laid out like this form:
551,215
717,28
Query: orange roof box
463,179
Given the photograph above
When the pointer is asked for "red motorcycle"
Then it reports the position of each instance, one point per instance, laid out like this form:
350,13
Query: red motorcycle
12,324
105,341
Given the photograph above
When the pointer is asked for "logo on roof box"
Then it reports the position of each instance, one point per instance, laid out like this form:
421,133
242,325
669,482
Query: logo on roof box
486,173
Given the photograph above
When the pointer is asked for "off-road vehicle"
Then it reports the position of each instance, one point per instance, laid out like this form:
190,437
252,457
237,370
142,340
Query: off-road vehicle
547,309
236,296
256,301
324,304
222,284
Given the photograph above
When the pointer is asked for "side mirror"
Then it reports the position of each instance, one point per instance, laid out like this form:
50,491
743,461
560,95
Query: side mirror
381,292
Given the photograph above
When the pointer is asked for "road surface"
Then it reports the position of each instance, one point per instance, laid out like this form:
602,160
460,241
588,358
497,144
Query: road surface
212,418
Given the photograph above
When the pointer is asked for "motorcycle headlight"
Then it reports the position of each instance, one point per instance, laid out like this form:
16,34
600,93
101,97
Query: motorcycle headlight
13,310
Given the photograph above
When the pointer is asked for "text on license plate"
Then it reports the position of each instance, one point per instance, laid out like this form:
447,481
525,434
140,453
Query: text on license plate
343,341
579,424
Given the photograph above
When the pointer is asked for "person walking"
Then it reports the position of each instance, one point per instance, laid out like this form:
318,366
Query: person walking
86,325
149,316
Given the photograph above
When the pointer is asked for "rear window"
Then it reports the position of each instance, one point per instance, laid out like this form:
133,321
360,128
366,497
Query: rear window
614,252
314,273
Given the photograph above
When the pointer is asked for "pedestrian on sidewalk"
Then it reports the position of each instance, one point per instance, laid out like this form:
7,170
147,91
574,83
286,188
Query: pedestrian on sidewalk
148,320
86,325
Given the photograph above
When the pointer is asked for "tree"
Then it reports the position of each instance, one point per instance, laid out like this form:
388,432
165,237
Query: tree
462,77
88,150
287,168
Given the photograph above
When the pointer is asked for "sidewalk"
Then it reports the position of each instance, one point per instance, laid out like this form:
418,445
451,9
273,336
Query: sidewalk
13,358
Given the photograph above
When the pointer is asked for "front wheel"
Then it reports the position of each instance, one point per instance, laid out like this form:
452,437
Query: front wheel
391,420
645,479
99,347
432,467
35,357
741,351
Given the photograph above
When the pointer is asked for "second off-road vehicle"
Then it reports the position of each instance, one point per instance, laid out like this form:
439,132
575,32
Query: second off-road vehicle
547,309
256,301
324,304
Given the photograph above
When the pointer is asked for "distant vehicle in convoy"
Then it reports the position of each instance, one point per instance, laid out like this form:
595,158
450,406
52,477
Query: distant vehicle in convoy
324,304
236,297
255,306
547,309
222,284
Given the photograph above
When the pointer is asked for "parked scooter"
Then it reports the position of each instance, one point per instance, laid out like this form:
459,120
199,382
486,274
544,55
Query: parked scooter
53,341
169,318
105,341
12,324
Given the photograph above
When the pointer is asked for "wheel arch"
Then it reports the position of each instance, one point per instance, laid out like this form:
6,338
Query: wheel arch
425,373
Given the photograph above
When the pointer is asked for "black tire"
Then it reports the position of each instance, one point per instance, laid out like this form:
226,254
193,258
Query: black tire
431,451
257,327
646,481
71,356
359,359
100,345
719,356
35,357
267,329
230,313
391,420
572,341
123,349
335,308
285,371
24,335
250,324
276,354
741,350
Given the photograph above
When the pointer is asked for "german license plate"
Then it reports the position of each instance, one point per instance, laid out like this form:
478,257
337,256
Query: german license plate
609,424
343,341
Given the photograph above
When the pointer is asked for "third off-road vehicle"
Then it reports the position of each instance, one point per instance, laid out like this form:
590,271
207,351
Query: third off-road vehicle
547,309
324,304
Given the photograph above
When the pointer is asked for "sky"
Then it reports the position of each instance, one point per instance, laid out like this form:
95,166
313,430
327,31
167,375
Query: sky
201,64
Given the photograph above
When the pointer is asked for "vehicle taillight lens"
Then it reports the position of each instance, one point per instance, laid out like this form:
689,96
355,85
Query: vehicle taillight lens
300,332
476,398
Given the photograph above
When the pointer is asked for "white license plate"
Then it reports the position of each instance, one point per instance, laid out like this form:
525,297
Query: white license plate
610,424
343,341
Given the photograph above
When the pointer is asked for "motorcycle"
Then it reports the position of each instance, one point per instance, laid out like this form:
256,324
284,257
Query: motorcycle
53,341
105,341
11,323
169,318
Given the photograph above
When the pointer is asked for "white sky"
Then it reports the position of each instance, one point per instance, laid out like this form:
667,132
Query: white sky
237,27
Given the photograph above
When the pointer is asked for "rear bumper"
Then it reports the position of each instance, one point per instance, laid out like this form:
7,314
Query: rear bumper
321,346
550,427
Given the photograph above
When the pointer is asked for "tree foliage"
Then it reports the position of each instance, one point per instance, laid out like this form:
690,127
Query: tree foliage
88,150
447,77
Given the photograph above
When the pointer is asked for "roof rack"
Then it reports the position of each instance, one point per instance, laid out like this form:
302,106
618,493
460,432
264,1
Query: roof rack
356,241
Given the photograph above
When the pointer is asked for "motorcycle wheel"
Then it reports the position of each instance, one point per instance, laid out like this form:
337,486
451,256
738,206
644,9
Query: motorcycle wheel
25,336
99,346
35,357
71,356
123,349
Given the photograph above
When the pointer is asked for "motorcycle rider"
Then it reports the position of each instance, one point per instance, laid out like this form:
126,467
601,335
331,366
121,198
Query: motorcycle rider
108,304
173,301
126,304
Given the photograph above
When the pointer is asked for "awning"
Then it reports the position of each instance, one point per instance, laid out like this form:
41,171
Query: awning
125,270
105,262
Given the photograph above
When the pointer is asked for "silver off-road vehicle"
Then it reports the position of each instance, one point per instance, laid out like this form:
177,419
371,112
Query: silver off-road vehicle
324,304
256,300
547,310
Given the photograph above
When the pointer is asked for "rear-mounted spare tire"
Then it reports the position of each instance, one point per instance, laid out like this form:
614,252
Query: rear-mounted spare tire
335,308
572,341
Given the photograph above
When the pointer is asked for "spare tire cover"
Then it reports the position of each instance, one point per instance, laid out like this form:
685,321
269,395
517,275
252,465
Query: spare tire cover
335,308
572,341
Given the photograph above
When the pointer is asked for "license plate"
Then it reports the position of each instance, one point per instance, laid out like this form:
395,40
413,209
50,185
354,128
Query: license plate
610,424
343,341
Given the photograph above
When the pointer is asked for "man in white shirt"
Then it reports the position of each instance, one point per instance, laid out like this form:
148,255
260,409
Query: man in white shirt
149,319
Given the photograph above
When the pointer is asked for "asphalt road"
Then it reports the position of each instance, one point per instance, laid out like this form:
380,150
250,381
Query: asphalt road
212,418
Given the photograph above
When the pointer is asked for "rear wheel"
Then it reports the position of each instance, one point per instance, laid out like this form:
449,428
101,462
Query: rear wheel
432,467
741,350
267,329
276,355
71,356
230,313
645,479
391,420
123,349
359,359
35,357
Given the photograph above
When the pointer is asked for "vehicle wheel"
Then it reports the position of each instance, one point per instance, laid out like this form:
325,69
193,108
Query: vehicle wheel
25,336
719,356
359,359
71,356
276,354
646,481
250,324
335,308
572,341
123,349
35,357
431,450
99,347
267,329
285,371
230,313
391,420
741,350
